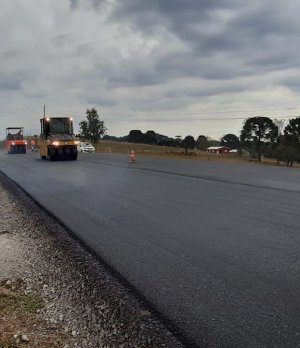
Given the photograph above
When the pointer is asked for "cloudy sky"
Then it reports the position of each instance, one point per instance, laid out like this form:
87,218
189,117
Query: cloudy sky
178,67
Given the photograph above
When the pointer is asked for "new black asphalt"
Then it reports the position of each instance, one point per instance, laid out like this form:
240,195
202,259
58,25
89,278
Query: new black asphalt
215,247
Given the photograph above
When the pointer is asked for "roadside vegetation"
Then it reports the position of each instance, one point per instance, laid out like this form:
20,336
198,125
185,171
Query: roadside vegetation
260,139
20,322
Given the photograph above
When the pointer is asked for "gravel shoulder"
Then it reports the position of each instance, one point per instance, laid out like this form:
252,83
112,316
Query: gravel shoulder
84,304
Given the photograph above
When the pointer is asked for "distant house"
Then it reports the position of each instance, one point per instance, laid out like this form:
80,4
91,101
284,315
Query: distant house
219,150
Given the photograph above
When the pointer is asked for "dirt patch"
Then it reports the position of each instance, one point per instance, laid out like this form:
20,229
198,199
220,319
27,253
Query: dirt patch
20,322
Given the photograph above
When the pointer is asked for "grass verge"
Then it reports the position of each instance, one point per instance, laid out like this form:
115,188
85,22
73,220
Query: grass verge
21,322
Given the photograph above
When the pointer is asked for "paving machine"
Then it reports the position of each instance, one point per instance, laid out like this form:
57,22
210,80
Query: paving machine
57,140
15,143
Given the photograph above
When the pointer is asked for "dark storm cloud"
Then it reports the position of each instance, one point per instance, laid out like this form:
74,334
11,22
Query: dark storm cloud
137,78
187,64
131,77
146,55
10,84
249,28
13,80
171,66
100,101
96,4
256,33
182,17
74,4
177,11
177,16
205,91
223,39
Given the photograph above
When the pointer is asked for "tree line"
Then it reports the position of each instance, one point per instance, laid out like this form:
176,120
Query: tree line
264,137
260,136
152,138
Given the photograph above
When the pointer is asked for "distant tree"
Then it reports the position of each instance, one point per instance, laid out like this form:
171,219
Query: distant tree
231,141
212,142
291,155
111,138
292,131
93,128
188,143
202,142
124,138
169,142
291,140
177,141
258,131
136,136
150,137
277,149
285,152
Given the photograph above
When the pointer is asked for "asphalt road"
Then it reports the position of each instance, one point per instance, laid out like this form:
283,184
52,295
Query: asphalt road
215,247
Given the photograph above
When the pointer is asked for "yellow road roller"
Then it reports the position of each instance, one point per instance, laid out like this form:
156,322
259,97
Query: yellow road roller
57,141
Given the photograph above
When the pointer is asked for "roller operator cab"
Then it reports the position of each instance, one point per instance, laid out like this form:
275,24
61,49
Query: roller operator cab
57,140
15,142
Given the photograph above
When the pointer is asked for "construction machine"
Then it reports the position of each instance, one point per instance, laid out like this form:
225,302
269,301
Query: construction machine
57,140
15,142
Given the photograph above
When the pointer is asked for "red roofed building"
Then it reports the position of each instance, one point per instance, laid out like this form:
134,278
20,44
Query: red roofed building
219,150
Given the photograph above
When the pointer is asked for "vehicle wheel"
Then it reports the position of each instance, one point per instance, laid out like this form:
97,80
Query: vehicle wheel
74,155
52,155
68,154
60,154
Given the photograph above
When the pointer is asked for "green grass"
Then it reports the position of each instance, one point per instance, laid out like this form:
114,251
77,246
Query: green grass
26,303
104,146
18,314
114,147
120,147
7,344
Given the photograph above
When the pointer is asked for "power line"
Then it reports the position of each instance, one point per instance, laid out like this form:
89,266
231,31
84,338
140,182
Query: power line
201,113
218,112
183,119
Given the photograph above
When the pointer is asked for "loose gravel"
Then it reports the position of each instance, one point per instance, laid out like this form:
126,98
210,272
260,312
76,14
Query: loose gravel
81,294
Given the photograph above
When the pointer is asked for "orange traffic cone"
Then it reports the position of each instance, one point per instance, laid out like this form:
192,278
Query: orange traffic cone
132,157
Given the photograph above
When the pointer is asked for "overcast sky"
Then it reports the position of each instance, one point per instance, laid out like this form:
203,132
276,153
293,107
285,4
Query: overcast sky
162,64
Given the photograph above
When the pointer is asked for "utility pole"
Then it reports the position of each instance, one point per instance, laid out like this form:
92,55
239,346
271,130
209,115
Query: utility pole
44,111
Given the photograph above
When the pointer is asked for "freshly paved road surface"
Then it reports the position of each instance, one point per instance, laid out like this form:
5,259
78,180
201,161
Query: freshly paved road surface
215,247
